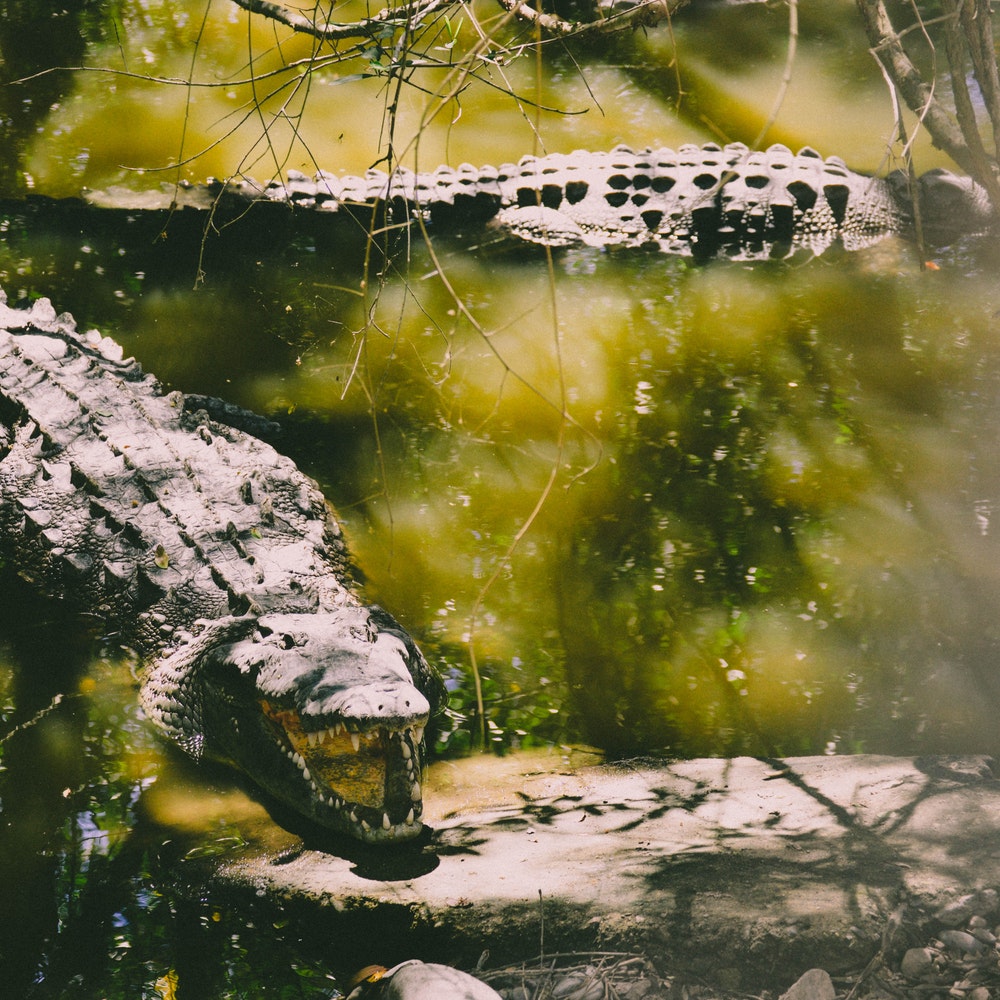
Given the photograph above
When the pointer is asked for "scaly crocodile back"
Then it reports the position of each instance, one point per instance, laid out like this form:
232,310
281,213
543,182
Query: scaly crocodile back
701,201
221,565
158,516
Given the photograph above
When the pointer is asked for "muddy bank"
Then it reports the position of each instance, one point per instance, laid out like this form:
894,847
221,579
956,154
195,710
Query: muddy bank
741,870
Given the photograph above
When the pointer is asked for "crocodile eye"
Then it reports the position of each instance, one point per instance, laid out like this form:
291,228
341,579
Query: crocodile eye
263,631
287,641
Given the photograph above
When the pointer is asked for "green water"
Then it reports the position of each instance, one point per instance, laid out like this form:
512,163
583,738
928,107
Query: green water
664,509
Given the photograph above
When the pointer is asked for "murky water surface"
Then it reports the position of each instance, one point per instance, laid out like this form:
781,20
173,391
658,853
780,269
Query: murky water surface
669,509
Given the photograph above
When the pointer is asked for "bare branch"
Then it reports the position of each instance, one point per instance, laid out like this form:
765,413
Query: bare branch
641,13
964,110
644,13
887,47
978,28
367,27
967,33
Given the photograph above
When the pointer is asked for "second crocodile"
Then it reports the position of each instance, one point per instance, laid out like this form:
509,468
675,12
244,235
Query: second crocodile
701,201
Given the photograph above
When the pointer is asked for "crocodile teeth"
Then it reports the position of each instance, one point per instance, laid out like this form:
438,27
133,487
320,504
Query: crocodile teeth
305,773
404,748
418,735
409,818
385,821
415,792
356,741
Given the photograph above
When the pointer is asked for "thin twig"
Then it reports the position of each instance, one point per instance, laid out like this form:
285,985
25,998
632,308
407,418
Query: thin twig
35,719
786,76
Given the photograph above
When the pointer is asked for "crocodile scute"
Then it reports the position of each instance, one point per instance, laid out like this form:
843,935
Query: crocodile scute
220,563
699,201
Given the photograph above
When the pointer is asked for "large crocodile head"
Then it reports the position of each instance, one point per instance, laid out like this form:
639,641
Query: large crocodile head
326,712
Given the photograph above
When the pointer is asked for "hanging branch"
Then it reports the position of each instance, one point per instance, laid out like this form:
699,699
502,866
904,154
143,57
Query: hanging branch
887,47
641,13
968,33
330,31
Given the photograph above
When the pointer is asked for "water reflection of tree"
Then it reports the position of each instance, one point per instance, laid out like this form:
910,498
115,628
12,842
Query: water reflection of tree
38,37
93,899
764,508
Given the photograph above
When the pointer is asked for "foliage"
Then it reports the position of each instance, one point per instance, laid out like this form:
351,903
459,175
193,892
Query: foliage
523,709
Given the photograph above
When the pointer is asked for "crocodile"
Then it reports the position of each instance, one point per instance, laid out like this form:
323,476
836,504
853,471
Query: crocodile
221,566
702,201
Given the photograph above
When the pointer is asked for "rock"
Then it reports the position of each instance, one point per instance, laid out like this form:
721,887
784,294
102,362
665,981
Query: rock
974,904
812,985
961,941
422,981
732,819
983,934
917,964
636,990
580,986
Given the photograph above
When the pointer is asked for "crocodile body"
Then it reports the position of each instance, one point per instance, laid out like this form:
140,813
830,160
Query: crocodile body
221,565
701,201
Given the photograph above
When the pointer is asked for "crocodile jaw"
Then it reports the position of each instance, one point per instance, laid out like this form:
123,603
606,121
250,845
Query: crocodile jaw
364,782
328,717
